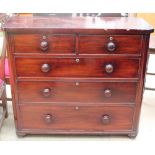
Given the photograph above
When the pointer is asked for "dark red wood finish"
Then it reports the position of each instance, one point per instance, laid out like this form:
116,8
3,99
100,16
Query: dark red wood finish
82,25
79,92
86,118
69,67
77,75
30,43
97,44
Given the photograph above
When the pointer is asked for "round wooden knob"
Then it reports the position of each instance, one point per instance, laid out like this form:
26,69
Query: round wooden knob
109,68
45,68
111,46
44,45
46,92
48,118
105,119
107,93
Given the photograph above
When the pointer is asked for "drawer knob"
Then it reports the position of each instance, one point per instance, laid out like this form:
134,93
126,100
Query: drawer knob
77,60
46,92
111,46
48,118
45,68
109,68
107,93
44,45
105,119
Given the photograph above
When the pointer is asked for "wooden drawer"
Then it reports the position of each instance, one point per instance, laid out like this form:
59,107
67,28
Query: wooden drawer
82,67
79,92
75,118
116,44
35,43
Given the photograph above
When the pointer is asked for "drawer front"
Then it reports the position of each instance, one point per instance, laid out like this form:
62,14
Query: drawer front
76,118
35,43
102,44
84,92
82,67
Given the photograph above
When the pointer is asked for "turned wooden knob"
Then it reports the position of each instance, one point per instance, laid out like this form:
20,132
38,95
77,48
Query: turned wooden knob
105,119
44,45
109,68
46,92
111,46
107,93
48,118
45,68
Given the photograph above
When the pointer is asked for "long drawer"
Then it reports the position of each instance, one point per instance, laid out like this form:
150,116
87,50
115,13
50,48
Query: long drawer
40,43
75,118
80,67
80,92
106,44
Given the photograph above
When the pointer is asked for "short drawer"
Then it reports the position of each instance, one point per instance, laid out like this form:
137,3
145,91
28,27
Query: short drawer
75,118
37,43
103,44
79,92
82,67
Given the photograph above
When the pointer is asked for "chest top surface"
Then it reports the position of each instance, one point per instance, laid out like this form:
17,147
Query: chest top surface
96,25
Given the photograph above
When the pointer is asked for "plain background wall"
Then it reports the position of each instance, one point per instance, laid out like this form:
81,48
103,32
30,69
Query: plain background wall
149,17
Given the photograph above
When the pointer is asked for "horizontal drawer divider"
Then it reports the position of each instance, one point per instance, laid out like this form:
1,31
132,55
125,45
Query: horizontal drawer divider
73,55
45,55
82,104
78,79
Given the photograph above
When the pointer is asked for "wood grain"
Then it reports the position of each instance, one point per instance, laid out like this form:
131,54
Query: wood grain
68,67
57,44
80,92
65,81
72,118
96,44
90,25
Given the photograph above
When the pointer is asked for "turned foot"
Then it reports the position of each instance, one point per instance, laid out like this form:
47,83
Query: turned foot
132,135
6,114
21,134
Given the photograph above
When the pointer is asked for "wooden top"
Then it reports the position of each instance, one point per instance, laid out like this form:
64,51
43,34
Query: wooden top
78,24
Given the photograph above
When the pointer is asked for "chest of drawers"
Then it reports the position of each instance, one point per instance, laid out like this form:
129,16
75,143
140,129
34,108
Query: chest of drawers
77,75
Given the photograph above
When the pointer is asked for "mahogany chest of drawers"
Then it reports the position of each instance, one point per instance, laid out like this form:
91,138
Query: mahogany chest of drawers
77,75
